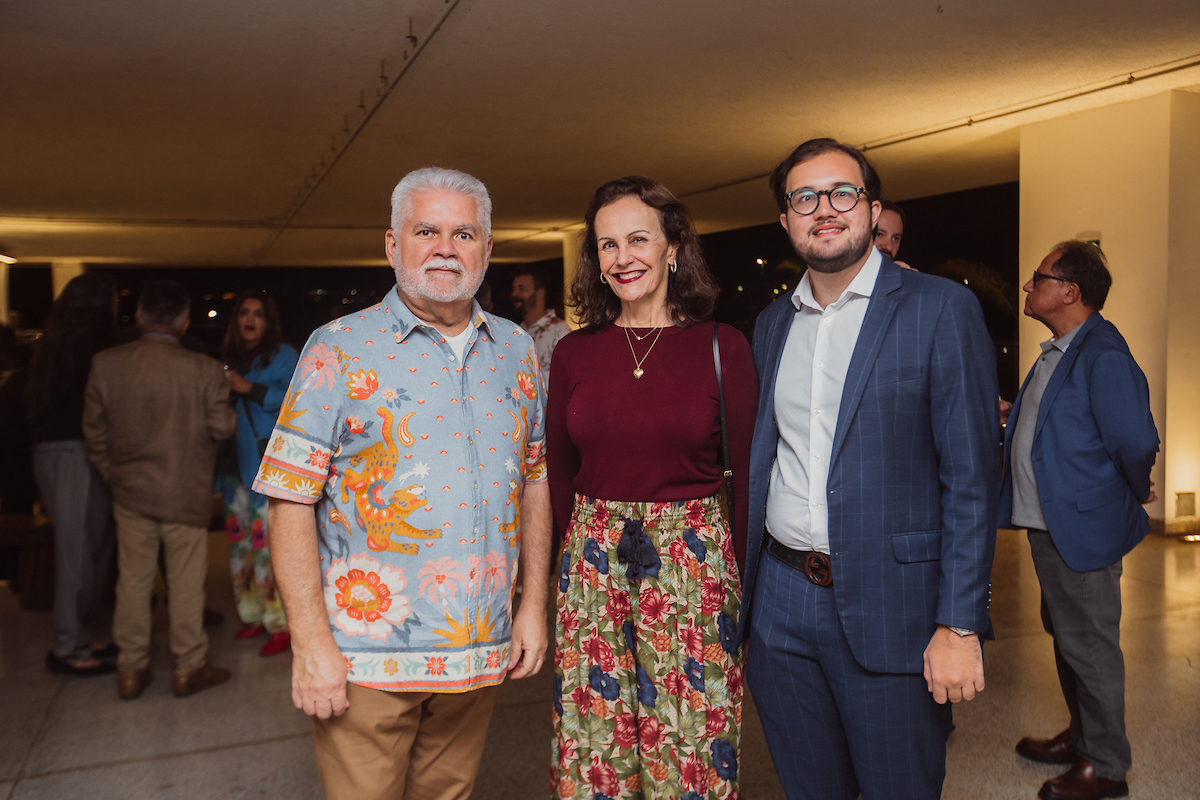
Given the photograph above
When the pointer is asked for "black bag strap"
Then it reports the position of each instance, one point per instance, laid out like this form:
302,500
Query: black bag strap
724,428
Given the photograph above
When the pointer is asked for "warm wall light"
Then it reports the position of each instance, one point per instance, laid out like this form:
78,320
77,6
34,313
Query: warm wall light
7,259
1185,504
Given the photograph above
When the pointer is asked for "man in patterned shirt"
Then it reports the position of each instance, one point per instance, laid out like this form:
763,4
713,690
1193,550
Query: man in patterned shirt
529,300
415,428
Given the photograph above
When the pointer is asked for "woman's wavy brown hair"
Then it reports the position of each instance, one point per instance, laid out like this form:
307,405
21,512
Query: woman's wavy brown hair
234,351
691,289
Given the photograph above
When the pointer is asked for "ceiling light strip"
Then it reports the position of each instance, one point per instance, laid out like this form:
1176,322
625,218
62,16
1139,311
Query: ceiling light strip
1006,111
1114,82
418,49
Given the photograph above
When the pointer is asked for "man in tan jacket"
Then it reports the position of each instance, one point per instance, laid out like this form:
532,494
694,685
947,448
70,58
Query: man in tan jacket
153,416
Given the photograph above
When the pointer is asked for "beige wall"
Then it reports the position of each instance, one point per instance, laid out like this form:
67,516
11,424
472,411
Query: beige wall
1183,301
1130,172
61,273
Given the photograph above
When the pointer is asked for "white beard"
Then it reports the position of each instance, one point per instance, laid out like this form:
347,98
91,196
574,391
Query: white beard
418,284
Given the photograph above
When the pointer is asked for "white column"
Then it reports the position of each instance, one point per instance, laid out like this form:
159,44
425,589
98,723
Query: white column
571,241
1129,173
62,272
3,293
1183,320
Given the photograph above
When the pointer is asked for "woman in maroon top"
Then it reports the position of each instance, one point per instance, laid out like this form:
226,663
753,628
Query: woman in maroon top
648,681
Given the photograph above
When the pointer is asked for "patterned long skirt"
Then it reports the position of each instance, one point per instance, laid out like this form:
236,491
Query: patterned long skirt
647,680
258,600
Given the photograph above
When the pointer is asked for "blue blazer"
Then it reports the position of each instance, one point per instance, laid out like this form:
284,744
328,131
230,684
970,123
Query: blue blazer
1093,447
913,473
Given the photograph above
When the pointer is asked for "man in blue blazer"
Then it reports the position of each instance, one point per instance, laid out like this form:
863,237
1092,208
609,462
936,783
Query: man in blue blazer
1078,451
872,500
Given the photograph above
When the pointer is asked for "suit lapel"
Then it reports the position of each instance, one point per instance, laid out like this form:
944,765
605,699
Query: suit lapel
1060,372
777,337
880,310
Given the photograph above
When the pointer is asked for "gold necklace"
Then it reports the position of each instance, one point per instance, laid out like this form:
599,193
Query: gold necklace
637,363
644,335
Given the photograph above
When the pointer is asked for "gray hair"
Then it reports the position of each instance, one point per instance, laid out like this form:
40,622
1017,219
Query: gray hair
164,304
440,178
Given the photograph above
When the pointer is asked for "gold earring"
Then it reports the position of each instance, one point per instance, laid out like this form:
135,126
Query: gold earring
673,266
602,278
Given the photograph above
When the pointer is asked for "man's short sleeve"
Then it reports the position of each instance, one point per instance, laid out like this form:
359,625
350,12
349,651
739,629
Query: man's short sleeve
296,465
535,446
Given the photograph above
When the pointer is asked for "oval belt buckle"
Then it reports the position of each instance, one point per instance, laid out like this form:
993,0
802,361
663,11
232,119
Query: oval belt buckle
816,567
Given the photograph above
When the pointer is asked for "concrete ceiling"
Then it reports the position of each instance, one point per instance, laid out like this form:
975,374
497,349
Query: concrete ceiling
225,132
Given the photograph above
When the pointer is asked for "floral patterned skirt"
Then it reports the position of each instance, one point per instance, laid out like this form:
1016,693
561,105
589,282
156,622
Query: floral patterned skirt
647,680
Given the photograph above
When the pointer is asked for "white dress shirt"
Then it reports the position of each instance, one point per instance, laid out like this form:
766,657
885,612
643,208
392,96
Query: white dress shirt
808,394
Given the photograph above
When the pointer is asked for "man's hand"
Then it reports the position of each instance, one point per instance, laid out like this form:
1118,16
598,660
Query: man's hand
528,640
318,667
1005,410
529,625
953,666
319,678
1153,495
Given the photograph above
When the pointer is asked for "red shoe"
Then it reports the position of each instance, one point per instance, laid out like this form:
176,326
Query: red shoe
250,632
276,644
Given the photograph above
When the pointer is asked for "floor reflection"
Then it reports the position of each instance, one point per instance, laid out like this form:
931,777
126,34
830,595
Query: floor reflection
68,737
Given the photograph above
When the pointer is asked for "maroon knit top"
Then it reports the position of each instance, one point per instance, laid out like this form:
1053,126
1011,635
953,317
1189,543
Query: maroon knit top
612,436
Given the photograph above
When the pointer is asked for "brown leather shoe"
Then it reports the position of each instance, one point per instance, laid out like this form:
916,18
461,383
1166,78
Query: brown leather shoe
186,683
1081,782
132,682
1059,750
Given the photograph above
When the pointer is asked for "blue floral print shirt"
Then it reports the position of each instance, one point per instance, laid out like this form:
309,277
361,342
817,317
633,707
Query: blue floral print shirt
417,464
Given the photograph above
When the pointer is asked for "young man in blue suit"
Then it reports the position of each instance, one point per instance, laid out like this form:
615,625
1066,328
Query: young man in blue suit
1078,451
872,500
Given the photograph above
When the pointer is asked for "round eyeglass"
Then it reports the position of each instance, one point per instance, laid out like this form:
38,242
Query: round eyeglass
841,198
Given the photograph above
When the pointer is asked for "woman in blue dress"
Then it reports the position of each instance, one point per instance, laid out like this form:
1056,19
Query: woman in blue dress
259,367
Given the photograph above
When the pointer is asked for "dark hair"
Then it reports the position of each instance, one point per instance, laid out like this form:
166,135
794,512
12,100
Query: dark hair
81,324
234,351
888,205
691,290
163,303
1084,264
539,282
817,147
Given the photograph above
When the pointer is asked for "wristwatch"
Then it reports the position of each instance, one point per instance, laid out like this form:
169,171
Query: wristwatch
961,631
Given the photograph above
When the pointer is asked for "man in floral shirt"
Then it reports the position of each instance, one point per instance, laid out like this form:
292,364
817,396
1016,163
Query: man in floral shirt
415,428
538,320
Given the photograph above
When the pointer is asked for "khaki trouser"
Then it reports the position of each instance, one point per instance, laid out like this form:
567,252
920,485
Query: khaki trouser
186,550
403,745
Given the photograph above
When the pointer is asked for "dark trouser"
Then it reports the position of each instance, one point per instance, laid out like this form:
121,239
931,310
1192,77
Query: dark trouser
1082,611
835,729
79,506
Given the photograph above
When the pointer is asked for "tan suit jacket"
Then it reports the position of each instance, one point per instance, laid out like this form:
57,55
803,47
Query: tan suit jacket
153,415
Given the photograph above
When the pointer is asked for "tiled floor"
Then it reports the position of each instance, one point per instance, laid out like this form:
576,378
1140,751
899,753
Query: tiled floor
69,738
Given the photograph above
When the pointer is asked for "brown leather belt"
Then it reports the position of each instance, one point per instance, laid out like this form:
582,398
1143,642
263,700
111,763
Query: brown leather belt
813,565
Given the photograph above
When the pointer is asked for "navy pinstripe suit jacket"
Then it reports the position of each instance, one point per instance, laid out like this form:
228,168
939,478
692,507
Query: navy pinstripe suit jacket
913,477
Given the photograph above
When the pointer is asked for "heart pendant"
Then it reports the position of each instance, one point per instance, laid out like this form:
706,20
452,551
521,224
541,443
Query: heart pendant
637,373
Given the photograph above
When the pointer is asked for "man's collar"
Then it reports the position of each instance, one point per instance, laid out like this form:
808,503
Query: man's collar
159,335
862,285
407,320
1062,342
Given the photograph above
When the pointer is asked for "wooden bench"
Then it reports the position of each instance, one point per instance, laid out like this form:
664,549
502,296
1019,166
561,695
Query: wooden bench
33,536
